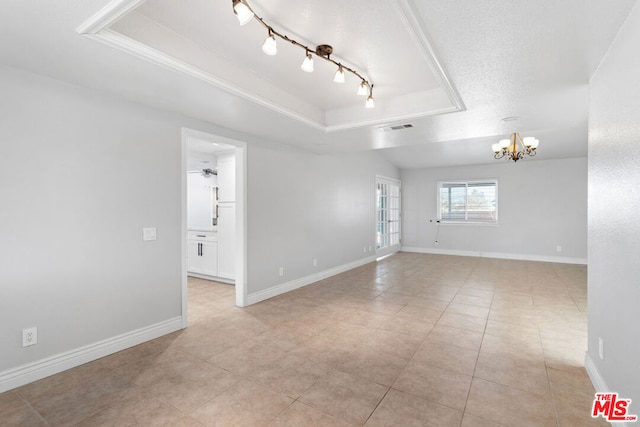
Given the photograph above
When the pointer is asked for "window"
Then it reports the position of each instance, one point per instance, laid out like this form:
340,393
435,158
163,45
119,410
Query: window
468,201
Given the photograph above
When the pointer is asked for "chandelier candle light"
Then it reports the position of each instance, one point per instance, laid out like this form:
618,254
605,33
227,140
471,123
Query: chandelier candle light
515,148
245,14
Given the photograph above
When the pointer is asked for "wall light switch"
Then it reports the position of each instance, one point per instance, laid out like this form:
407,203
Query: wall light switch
601,348
149,234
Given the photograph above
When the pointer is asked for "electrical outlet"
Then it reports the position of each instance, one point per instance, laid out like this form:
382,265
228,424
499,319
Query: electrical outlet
369,248
315,262
601,348
29,337
281,271
558,248
364,249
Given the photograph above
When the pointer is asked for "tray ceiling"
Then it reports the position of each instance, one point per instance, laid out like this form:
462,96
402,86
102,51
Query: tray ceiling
387,43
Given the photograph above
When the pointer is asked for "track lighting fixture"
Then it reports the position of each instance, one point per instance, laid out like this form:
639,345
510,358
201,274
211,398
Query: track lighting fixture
244,13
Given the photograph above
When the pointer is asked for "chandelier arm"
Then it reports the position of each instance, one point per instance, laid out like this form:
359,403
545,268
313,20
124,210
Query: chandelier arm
308,50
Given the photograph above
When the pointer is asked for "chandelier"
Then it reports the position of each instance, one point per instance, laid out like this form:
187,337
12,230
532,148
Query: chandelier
515,148
245,14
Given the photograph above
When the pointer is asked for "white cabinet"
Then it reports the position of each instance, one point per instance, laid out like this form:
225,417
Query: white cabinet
226,215
226,240
202,253
227,178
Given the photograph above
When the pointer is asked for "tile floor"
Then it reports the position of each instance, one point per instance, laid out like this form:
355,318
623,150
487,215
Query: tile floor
414,339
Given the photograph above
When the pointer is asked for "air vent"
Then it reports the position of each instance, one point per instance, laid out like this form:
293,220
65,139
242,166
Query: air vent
397,127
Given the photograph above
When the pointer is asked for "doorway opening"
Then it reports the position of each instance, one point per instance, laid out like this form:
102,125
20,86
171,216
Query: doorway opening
213,213
388,224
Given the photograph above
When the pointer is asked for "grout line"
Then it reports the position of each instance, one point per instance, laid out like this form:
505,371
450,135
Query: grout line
378,404
475,367
28,404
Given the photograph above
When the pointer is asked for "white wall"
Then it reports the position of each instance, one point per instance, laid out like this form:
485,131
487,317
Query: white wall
541,205
81,173
614,228
304,206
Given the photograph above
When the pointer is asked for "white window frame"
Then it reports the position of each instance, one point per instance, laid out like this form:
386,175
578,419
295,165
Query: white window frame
466,183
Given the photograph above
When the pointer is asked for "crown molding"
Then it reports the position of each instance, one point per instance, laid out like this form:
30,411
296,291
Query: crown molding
414,23
140,50
110,13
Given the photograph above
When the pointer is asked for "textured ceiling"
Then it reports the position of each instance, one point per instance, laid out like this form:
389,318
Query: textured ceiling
531,59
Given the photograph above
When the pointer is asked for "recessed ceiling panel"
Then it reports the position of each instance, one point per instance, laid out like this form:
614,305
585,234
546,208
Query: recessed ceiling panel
383,40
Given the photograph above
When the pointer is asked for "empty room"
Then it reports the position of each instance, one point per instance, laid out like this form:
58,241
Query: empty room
271,213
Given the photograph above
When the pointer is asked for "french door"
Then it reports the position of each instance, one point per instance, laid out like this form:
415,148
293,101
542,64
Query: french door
388,202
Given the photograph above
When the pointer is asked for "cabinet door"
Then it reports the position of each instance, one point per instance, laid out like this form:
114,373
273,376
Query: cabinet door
227,178
209,257
194,260
226,240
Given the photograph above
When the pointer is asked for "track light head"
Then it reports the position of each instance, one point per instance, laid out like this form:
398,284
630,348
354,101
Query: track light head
339,76
270,47
242,11
370,103
363,89
307,64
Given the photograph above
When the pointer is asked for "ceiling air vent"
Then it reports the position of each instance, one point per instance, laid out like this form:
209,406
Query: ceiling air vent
397,127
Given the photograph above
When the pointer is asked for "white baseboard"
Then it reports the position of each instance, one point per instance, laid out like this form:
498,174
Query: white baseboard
43,368
214,278
521,257
306,280
596,379
600,384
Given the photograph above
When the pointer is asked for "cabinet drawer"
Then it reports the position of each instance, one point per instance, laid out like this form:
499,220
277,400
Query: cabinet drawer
206,236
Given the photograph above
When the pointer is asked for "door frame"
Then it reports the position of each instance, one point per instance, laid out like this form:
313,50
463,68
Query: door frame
386,251
241,216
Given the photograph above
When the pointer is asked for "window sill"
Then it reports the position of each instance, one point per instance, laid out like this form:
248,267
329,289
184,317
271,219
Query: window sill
478,223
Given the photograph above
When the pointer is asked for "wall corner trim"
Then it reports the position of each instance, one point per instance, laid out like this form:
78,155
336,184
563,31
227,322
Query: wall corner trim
43,368
306,280
499,255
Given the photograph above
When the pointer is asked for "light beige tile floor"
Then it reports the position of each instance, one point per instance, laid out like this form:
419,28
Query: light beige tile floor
411,340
